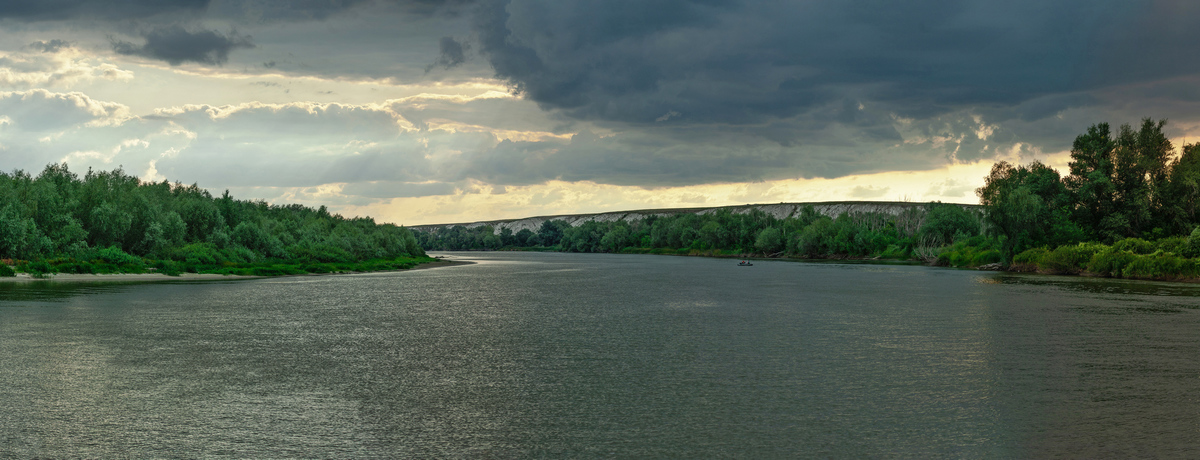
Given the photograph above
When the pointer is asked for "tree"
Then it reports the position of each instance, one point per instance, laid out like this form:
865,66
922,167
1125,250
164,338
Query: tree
1027,206
108,224
616,239
1140,177
551,232
769,240
525,237
1090,183
945,222
1183,189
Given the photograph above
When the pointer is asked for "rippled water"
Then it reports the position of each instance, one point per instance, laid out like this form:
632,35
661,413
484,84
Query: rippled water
570,355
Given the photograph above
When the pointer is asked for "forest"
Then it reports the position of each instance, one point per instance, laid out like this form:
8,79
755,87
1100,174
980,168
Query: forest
917,232
111,222
1126,208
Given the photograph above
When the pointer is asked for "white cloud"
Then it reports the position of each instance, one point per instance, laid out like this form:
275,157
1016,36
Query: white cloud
63,68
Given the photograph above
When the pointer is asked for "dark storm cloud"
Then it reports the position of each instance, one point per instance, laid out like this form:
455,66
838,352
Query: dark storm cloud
49,46
745,62
301,10
451,55
254,10
43,10
177,45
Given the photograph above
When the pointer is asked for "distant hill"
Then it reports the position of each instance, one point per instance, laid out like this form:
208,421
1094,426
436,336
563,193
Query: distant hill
778,210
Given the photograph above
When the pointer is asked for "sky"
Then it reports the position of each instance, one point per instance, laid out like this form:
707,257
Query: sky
437,111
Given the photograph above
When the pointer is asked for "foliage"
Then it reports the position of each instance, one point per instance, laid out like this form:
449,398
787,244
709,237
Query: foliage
971,252
108,221
1110,262
724,232
946,223
1069,259
1161,265
1028,206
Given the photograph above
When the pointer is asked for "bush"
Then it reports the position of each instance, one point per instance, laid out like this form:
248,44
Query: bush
1174,244
970,252
1135,245
895,251
39,269
115,256
77,268
1192,247
1070,259
197,254
6,271
1110,262
169,267
990,256
1161,265
1030,256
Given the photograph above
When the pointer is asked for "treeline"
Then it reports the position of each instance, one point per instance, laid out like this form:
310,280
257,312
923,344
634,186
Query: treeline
915,232
1127,208
108,221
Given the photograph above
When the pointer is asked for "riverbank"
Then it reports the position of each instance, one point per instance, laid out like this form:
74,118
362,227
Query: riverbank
153,277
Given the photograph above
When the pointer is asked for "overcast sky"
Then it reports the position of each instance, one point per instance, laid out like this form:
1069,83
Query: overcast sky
434,111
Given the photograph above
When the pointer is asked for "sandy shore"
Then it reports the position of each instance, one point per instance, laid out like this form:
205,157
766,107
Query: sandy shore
441,263
72,277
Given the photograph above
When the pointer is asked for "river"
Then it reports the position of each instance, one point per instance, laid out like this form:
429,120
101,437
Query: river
596,355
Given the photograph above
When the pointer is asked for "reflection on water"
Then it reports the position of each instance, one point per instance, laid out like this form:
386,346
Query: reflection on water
1101,285
37,291
570,355
15,293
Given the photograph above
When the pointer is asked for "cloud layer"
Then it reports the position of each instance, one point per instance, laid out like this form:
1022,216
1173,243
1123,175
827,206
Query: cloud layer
177,45
364,102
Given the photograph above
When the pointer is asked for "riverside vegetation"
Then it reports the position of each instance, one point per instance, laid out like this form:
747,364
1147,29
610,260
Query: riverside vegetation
111,222
1127,208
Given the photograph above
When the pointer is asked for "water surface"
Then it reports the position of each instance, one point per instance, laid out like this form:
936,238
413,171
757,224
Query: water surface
582,355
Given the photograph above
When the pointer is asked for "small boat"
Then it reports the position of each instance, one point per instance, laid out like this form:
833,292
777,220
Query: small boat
745,264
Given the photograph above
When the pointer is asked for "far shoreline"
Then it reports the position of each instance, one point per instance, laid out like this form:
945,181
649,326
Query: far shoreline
156,277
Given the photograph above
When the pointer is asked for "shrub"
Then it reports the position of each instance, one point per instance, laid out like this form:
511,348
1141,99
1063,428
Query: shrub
1030,256
1192,247
1070,259
197,254
115,256
990,256
895,251
1110,262
6,271
1027,260
78,268
39,269
1160,265
1135,245
1174,244
169,267
968,252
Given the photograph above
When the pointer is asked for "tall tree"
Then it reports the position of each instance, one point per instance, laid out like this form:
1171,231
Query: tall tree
1140,178
1182,195
1027,206
1091,180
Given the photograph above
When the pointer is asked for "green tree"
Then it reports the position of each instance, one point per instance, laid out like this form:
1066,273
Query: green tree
769,240
1027,206
946,222
1093,194
616,239
1183,190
